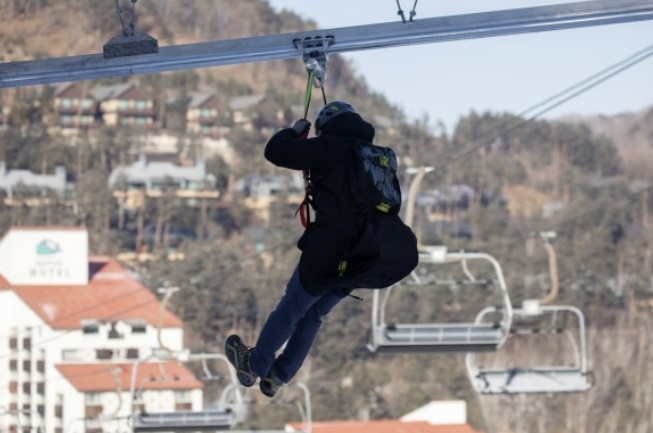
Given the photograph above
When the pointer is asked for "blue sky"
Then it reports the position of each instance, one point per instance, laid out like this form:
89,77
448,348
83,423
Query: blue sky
511,73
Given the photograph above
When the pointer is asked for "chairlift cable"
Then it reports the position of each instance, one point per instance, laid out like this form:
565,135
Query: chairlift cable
576,90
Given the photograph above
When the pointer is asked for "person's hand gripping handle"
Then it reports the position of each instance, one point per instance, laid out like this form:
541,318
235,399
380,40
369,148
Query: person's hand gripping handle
302,126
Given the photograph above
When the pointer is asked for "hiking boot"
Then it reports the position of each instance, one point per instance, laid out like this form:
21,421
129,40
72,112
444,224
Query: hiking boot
239,355
270,384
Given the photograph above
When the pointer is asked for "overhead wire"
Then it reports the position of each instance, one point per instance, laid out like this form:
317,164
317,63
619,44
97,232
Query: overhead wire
554,102
549,104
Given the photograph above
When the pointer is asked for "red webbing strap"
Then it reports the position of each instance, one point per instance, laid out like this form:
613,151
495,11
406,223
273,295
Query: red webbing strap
304,208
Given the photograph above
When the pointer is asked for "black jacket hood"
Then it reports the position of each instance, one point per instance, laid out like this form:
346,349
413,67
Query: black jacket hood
349,125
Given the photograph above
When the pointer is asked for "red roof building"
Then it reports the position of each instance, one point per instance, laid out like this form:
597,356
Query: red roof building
383,426
76,328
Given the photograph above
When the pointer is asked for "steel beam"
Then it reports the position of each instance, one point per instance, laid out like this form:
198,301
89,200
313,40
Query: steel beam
349,39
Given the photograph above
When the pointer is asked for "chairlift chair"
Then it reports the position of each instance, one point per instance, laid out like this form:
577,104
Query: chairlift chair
536,379
182,421
442,337
229,410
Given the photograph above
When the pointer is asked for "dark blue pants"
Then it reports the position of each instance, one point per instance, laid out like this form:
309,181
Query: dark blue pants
296,319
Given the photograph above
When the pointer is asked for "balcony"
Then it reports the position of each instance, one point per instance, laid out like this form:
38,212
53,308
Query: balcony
183,406
92,411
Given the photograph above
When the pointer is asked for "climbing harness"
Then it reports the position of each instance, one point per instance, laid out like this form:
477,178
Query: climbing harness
412,14
314,55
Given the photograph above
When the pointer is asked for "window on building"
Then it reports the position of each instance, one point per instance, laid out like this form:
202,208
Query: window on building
182,396
90,327
123,105
66,119
205,113
58,406
103,353
66,102
70,355
139,327
113,332
87,103
92,398
132,353
159,353
141,105
93,424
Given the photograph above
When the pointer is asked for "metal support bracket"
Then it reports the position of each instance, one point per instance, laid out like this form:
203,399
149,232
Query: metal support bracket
130,45
314,55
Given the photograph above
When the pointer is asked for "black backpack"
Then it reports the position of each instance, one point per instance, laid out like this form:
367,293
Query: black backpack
385,249
373,181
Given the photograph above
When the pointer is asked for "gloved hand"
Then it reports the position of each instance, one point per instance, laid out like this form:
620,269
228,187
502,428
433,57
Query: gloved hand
302,126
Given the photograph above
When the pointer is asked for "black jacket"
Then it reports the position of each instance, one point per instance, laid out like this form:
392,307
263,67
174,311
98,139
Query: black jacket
380,250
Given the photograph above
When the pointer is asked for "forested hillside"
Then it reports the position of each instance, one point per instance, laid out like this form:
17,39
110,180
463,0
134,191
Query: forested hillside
581,180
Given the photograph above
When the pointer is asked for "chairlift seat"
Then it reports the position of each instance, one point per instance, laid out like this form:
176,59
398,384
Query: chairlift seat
480,336
183,421
537,379
532,381
447,337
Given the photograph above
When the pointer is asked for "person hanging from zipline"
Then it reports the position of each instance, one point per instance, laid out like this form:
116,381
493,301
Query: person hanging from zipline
357,239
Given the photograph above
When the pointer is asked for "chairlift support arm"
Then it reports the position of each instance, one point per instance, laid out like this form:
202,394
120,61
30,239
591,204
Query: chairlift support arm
349,39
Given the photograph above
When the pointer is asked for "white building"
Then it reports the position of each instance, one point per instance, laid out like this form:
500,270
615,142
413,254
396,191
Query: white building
11,179
71,330
152,174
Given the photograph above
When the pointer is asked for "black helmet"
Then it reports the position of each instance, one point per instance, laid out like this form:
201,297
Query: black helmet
329,111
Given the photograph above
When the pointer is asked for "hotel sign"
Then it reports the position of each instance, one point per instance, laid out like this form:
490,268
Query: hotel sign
45,257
